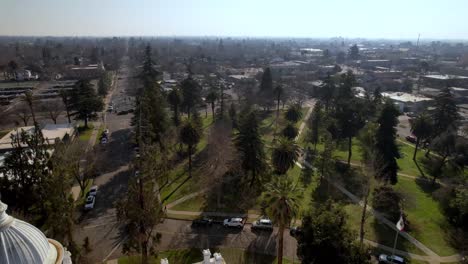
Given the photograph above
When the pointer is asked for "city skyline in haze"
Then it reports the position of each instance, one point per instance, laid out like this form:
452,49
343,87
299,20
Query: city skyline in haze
398,19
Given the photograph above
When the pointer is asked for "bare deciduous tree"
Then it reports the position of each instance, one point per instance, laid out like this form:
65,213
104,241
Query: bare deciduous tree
53,109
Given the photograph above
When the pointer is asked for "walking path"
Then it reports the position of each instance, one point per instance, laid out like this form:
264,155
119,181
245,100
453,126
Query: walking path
431,257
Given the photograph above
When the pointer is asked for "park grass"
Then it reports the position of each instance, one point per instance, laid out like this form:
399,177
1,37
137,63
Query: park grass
195,204
176,177
189,256
376,231
3,133
100,131
427,221
85,133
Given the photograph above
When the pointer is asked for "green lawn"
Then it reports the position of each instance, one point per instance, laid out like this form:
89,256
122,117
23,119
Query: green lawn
85,133
189,256
195,204
376,231
428,224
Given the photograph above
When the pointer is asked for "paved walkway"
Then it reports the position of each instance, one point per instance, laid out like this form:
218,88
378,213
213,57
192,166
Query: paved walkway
431,257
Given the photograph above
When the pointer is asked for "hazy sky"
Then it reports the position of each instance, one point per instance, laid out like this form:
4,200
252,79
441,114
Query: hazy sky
290,18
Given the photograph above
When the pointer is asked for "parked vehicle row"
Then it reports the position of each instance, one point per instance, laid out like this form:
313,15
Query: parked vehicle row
235,222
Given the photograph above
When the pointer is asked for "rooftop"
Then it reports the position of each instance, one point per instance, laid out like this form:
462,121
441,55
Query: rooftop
406,97
444,77
50,132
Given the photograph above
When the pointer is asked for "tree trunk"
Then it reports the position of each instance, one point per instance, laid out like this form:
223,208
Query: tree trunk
439,169
416,148
276,121
68,115
213,111
176,115
254,175
190,161
363,217
206,111
86,122
280,244
350,150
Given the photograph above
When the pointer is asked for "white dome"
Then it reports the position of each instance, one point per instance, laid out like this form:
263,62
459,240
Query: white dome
23,243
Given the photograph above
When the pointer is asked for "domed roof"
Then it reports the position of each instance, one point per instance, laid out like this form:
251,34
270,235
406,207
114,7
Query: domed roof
23,243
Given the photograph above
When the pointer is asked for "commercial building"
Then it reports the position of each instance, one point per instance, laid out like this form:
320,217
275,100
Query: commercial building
407,102
442,81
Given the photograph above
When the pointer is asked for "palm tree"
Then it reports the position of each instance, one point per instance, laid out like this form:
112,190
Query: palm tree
175,99
421,127
290,131
190,136
284,155
278,93
211,99
283,198
293,113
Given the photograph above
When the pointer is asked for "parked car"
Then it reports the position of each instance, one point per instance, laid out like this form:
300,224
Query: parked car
391,259
295,231
202,222
106,132
123,112
90,201
93,190
411,139
233,222
110,108
104,140
263,224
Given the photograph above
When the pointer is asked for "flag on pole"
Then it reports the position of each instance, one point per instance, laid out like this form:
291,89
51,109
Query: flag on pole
400,225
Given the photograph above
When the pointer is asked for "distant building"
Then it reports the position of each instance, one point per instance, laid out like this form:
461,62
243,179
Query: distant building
25,75
376,63
442,81
92,71
286,67
407,102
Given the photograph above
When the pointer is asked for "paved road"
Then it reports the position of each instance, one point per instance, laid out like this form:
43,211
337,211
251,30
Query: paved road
113,163
179,234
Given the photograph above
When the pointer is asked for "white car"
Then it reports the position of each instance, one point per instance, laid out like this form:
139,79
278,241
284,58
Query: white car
391,259
90,201
233,222
93,191
263,224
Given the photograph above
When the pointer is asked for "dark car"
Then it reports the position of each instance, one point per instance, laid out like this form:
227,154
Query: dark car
295,231
411,139
202,222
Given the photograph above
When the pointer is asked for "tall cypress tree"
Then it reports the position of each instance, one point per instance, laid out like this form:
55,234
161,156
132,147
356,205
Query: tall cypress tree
445,114
386,146
85,101
249,144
